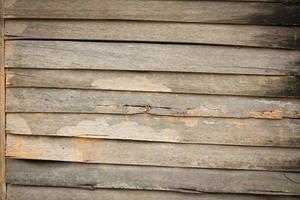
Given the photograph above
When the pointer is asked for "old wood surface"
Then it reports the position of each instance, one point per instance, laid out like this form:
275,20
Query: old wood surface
2,108
252,132
55,193
92,101
154,154
183,11
244,85
241,35
92,176
151,57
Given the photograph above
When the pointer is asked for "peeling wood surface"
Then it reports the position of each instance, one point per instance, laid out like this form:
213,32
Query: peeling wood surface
274,86
152,154
238,35
54,193
93,176
180,11
151,57
252,132
91,101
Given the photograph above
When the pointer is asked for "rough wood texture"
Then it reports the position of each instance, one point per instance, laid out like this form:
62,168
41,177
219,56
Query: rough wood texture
244,85
55,193
2,107
252,132
256,36
92,176
152,154
150,57
182,11
92,101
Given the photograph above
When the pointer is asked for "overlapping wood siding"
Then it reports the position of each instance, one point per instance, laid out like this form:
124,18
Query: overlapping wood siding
152,99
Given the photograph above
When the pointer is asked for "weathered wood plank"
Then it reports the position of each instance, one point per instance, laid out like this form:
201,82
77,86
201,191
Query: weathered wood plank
92,101
92,176
256,36
2,108
244,85
179,11
151,153
16,192
150,57
251,132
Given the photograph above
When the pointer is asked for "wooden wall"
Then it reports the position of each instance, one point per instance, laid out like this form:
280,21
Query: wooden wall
152,99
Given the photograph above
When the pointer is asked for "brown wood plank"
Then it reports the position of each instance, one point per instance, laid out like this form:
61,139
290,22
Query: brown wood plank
16,192
243,85
182,11
93,176
238,35
2,108
152,154
151,57
251,132
92,101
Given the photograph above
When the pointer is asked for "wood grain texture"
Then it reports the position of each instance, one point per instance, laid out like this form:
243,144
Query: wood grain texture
16,192
152,154
251,132
238,35
93,176
2,108
150,57
182,11
91,101
244,85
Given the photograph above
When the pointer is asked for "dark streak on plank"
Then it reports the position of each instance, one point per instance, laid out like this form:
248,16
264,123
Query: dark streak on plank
114,102
176,11
93,176
16,192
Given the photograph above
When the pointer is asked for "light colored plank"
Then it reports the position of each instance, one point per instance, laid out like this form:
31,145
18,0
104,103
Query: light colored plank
251,132
150,57
2,108
244,85
55,193
183,11
151,154
256,36
91,101
93,176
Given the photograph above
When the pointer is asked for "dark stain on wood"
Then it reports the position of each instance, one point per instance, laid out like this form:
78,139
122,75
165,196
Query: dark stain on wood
286,13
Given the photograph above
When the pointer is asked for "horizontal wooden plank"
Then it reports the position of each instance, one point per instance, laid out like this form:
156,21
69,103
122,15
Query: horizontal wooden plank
150,57
15,192
152,153
252,132
179,11
238,35
244,85
92,101
92,176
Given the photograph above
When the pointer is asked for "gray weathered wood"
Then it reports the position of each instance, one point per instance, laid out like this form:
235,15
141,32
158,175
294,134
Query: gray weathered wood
92,101
182,11
15,192
244,85
252,132
150,57
256,36
152,153
92,176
